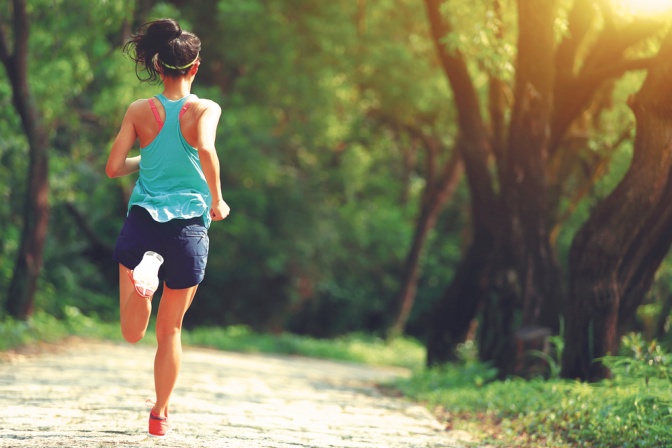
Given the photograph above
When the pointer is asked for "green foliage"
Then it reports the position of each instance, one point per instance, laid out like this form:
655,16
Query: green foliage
311,142
633,409
13,165
556,345
549,412
641,360
317,231
481,32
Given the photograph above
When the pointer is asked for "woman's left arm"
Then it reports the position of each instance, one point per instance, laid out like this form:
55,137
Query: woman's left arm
207,154
118,163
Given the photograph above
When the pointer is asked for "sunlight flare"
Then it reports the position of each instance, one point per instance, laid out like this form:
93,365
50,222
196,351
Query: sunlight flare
643,7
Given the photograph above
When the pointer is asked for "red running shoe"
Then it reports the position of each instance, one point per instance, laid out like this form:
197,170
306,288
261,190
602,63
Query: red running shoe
158,426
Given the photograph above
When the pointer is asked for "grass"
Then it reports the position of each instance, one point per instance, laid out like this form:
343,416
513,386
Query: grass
43,327
355,347
626,411
634,409
359,348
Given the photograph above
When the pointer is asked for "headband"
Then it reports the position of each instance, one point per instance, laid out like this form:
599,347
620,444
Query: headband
182,67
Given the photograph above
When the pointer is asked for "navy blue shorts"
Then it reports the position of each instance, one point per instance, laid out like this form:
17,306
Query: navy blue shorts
183,244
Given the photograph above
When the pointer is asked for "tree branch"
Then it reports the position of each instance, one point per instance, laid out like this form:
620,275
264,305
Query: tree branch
596,171
430,146
606,60
497,104
612,43
474,134
580,18
5,57
85,227
607,9
617,69
20,56
455,68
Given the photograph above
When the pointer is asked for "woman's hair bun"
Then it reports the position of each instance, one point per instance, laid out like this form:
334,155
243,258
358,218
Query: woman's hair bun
163,31
162,47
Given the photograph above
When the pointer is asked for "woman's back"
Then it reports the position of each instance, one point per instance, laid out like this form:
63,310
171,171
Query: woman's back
171,182
147,128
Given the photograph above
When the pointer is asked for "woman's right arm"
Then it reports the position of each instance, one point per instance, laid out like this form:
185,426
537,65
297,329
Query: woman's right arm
118,163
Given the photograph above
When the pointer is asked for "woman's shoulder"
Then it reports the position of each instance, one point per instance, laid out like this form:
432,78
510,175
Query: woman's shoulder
137,110
140,102
139,105
201,105
204,102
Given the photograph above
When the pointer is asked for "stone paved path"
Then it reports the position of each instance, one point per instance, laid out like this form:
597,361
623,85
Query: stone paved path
93,395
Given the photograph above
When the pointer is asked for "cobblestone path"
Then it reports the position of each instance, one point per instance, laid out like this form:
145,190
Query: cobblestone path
93,395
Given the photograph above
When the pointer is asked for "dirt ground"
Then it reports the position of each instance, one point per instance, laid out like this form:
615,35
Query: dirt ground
92,394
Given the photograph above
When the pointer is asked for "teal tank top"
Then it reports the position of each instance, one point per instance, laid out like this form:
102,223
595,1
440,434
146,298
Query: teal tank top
171,184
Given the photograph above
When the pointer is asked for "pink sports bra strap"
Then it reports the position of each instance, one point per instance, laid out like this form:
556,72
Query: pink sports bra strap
184,109
156,113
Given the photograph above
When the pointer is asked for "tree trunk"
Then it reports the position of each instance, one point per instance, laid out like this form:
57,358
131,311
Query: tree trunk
21,293
601,263
645,255
496,333
454,311
522,172
524,276
436,195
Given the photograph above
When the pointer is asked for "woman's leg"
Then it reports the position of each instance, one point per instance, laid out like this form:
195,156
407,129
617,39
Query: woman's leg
174,304
134,310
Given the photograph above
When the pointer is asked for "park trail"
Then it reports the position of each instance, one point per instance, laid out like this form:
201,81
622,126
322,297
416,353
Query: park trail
92,394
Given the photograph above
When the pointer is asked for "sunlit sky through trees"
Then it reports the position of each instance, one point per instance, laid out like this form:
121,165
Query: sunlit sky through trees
644,7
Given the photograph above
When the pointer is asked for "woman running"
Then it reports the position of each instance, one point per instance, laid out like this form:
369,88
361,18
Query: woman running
177,195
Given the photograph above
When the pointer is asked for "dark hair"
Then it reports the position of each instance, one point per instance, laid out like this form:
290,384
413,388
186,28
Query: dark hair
162,47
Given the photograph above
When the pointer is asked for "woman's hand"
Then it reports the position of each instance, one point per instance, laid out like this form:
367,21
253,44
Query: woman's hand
219,210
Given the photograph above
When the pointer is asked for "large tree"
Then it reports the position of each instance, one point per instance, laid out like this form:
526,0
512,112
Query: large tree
617,251
510,271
